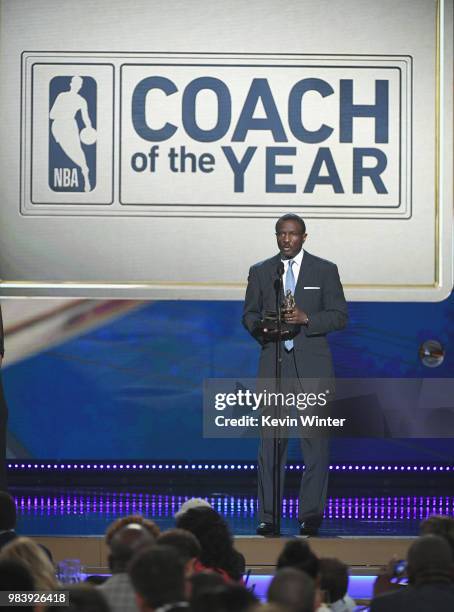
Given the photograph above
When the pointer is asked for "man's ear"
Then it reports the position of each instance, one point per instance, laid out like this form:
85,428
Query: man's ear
140,601
189,567
318,599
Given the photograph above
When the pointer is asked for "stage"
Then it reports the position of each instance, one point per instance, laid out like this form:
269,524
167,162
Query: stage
363,525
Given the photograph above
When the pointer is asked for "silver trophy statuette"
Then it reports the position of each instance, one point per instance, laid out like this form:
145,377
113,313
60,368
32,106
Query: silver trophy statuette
288,303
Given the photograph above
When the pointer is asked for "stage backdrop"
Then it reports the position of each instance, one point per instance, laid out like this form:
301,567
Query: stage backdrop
147,147
131,387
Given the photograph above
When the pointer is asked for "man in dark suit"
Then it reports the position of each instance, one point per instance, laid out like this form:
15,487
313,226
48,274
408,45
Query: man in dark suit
430,570
320,308
7,519
3,415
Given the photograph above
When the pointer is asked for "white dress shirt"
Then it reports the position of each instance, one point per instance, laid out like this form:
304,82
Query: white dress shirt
298,259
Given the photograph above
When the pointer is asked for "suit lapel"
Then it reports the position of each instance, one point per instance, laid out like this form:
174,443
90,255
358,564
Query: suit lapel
306,266
274,263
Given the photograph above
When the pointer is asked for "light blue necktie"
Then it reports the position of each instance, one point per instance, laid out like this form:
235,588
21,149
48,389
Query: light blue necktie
289,284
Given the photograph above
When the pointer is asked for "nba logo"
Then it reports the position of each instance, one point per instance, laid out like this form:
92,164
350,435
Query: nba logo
72,133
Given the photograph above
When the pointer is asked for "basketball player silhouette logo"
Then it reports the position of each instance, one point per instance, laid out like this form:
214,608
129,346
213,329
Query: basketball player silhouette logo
72,137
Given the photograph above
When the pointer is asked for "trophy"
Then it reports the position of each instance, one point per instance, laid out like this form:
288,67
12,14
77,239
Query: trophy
288,303
269,321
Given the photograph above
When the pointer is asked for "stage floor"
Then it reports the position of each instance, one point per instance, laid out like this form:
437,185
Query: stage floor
364,526
87,511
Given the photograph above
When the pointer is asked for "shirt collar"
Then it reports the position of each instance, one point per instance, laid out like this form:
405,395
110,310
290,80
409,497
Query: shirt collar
297,259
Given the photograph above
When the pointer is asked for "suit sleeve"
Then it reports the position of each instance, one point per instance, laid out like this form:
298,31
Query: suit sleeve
2,347
334,313
253,302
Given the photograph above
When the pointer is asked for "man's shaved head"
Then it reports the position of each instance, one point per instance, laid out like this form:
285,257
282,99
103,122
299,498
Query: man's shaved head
125,543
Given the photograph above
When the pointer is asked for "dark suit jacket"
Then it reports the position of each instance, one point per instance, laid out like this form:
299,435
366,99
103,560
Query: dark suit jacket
424,598
3,421
2,348
6,537
324,303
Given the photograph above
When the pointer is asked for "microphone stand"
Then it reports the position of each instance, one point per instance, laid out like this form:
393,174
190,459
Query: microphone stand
277,442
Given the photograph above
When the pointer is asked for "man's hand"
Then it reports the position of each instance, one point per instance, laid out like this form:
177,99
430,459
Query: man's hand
386,580
296,317
272,334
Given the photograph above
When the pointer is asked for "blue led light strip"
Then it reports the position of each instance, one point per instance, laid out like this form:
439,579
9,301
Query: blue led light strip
102,466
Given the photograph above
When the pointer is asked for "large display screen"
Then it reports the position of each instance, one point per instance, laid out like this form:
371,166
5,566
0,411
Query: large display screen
148,155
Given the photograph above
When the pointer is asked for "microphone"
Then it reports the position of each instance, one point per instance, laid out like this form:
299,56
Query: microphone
280,269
